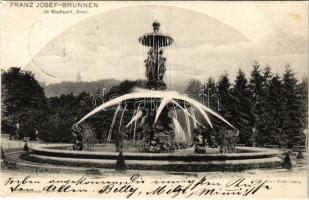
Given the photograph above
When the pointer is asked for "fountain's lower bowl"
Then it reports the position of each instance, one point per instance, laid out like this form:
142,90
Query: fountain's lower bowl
180,160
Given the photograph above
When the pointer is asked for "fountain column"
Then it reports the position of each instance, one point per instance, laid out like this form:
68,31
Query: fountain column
155,70
155,62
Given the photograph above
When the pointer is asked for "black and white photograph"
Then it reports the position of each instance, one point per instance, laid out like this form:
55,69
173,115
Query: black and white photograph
154,99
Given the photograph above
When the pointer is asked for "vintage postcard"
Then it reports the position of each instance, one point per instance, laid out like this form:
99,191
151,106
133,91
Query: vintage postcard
154,99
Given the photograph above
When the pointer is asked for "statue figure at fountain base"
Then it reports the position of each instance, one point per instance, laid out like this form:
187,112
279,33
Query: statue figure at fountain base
77,138
119,141
228,140
199,142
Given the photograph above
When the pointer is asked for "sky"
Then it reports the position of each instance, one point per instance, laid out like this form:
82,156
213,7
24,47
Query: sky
211,38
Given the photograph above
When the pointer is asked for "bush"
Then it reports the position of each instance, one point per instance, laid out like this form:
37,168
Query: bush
56,129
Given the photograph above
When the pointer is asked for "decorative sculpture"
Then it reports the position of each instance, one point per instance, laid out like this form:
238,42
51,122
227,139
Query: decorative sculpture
228,140
162,68
155,63
77,138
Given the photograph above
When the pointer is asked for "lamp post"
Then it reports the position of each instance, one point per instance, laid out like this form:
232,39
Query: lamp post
306,135
218,101
256,116
17,130
253,136
210,96
36,134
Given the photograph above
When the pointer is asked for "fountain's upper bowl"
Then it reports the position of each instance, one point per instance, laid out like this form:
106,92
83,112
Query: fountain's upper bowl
155,40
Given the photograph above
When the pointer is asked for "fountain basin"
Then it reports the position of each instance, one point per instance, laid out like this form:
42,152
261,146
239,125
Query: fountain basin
180,160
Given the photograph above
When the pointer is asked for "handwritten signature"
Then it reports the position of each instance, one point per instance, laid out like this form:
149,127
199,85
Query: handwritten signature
136,185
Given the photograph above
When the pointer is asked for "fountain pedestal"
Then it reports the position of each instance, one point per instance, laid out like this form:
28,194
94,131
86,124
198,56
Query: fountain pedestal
155,70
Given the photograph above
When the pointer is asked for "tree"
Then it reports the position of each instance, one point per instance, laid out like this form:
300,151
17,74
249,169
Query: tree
258,87
276,102
224,95
24,101
267,75
304,101
125,87
210,89
194,88
256,82
57,128
264,123
292,128
241,108
64,112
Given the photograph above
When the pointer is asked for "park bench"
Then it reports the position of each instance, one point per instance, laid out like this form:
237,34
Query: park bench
240,145
299,148
4,135
271,146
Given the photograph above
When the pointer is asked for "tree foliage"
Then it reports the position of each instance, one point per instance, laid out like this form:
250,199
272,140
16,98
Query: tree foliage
292,126
66,87
276,107
241,108
24,102
194,88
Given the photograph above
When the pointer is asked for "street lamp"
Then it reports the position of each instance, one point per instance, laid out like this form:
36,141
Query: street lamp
218,100
306,135
17,130
36,134
210,96
253,136
254,130
201,96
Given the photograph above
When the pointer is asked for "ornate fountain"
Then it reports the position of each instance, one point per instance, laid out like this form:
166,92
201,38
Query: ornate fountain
155,110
